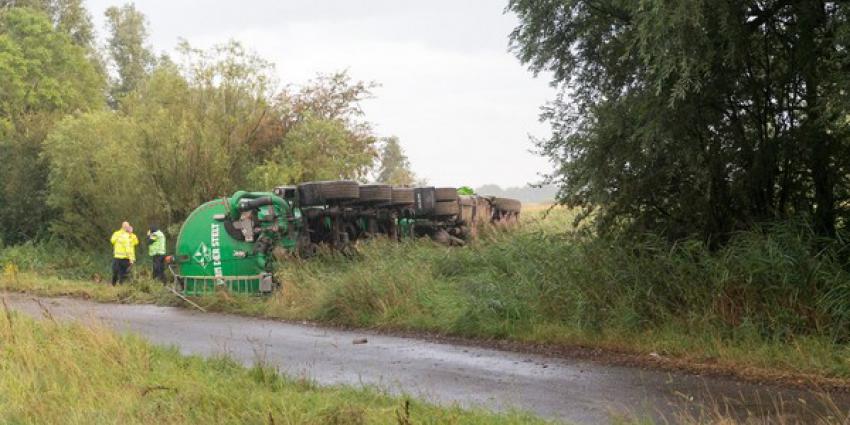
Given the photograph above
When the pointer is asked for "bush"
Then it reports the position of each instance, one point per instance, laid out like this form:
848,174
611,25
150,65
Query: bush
781,279
52,258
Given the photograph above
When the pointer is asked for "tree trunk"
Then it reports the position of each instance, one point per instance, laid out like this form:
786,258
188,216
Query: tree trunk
812,21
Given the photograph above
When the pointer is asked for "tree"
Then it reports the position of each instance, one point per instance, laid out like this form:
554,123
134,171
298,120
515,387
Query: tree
318,134
94,190
316,149
161,109
328,96
201,123
332,97
127,48
694,117
45,76
394,166
68,16
195,129
188,130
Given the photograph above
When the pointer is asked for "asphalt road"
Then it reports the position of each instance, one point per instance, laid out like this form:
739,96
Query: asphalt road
571,390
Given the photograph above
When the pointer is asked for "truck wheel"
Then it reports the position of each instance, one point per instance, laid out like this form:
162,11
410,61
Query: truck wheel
321,193
445,194
507,205
341,190
402,196
376,193
310,193
446,208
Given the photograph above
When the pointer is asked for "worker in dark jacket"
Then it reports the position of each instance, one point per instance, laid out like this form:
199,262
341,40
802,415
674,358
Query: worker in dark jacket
156,250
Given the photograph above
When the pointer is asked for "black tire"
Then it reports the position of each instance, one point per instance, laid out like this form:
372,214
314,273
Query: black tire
445,194
310,193
341,190
446,208
321,193
507,205
376,193
402,196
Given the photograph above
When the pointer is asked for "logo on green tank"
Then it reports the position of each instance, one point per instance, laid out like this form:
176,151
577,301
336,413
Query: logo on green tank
202,255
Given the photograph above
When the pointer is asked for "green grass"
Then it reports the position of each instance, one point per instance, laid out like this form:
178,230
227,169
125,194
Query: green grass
769,301
139,292
85,374
774,301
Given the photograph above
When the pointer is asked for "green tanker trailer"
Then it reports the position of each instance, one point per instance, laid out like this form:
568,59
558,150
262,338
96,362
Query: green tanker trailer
232,243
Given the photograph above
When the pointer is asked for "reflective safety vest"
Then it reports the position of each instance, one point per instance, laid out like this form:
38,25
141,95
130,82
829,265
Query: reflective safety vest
124,244
157,246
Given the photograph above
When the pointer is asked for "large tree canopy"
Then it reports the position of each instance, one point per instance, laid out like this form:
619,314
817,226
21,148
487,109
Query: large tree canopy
202,127
182,131
69,17
95,188
695,116
320,133
43,76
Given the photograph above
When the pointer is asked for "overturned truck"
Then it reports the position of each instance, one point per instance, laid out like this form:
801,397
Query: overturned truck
232,243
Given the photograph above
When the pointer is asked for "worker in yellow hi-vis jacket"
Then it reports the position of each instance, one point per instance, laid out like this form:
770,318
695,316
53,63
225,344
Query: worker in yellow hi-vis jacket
124,243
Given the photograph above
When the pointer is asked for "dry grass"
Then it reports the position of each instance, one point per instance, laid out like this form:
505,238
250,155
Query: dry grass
821,411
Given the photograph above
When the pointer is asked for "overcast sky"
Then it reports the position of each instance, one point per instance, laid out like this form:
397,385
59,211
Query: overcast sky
461,104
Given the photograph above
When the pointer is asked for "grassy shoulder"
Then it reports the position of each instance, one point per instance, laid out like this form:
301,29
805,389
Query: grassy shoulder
78,374
771,304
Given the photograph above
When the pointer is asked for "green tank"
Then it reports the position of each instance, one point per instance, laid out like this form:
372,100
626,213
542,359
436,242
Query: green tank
231,243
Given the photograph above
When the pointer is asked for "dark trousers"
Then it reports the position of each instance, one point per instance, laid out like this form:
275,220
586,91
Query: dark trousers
159,268
120,270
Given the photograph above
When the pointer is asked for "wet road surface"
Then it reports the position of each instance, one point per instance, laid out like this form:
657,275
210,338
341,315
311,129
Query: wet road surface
575,391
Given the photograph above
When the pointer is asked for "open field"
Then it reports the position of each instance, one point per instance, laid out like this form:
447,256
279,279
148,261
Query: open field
769,306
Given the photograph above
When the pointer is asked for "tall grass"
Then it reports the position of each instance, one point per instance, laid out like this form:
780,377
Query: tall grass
779,283
75,374
776,297
53,258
